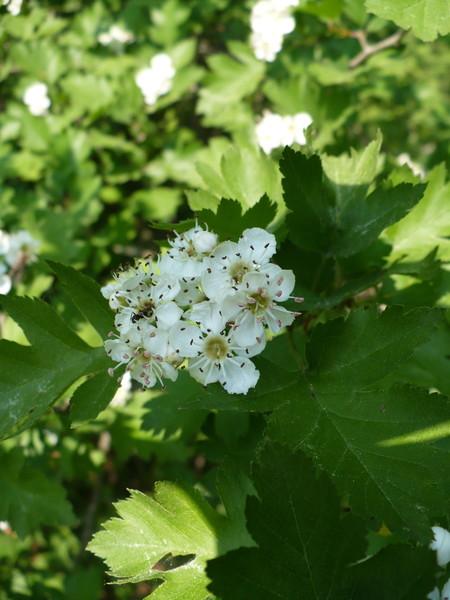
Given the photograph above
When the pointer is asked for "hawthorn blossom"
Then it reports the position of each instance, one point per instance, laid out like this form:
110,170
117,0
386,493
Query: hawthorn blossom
13,6
446,591
144,351
36,98
204,305
256,305
185,258
274,131
156,80
213,353
5,280
231,261
18,246
441,544
270,21
115,35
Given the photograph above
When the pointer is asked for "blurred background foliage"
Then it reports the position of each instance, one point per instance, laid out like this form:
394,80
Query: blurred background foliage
89,177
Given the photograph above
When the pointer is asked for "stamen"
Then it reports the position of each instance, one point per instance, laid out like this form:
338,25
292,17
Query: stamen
298,299
279,293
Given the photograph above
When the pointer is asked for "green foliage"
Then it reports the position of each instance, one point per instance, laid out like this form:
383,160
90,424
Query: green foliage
33,377
28,498
304,540
229,222
336,218
360,216
427,18
178,523
329,404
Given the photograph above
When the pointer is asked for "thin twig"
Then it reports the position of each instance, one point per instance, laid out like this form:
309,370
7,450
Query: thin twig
368,50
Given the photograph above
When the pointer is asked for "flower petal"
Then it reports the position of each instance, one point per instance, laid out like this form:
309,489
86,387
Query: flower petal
238,375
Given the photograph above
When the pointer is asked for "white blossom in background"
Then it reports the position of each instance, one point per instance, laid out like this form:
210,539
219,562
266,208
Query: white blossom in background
436,595
205,305
441,544
115,35
124,391
15,249
36,98
13,6
156,80
274,131
405,159
270,21
18,247
5,279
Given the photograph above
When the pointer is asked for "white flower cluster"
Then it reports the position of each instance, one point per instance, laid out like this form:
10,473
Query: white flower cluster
116,36
15,249
36,98
270,21
204,306
13,6
156,80
441,544
274,131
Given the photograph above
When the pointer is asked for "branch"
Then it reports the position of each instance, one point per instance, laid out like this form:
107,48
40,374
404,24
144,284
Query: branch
368,50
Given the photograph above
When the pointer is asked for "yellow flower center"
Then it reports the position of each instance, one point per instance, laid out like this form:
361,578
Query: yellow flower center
260,304
216,347
238,270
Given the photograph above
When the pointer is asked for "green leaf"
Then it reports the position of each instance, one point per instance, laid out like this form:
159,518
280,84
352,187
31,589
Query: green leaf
305,541
427,18
398,571
176,521
28,498
430,364
86,295
34,377
427,225
229,222
267,394
91,397
324,9
230,79
375,443
336,218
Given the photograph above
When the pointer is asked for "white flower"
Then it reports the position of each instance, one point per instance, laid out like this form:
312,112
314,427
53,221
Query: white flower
213,352
5,280
13,6
185,258
231,291
144,350
150,303
18,246
230,261
4,242
273,131
446,591
124,392
434,594
256,305
36,98
156,80
441,544
269,131
270,21
116,35
405,159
